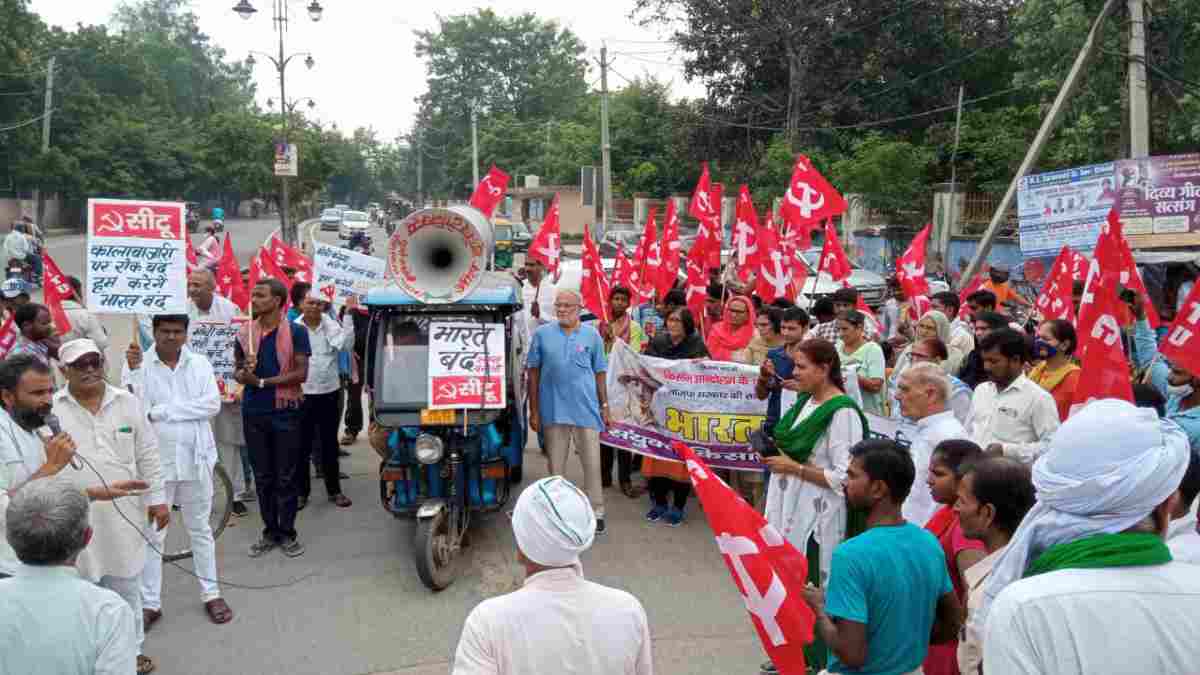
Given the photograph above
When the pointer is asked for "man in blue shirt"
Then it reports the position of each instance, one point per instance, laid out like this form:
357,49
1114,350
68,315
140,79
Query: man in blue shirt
1180,388
568,397
889,594
272,372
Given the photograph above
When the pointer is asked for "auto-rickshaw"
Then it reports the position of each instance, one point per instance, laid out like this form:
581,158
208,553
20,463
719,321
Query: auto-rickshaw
449,428
504,244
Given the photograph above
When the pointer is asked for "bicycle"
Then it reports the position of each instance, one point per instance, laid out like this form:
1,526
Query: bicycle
177,545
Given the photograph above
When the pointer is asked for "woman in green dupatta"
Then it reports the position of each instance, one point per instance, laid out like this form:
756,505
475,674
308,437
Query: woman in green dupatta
805,500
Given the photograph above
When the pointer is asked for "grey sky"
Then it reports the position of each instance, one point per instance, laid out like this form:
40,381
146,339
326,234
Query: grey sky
366,73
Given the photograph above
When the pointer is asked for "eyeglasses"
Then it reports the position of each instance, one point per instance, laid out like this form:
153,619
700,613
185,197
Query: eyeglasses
88,364
917,356
563,305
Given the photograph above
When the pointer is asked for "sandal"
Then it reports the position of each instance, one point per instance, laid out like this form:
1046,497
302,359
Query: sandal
348,439
341,501
149,618
145,664
219,611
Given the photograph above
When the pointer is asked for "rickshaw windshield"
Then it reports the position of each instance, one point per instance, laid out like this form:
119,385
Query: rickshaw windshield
402,360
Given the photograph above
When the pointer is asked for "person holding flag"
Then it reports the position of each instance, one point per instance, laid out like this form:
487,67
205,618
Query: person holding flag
619,327
1176,378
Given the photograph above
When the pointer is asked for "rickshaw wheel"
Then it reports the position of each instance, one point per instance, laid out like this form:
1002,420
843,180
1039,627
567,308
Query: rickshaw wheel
436,559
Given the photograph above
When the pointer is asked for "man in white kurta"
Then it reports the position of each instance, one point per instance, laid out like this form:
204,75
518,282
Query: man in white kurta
559,622
111,432
178,388
923,390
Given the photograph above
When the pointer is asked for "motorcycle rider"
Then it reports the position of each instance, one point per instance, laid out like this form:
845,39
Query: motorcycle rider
210,250
218,216
359,241
20,246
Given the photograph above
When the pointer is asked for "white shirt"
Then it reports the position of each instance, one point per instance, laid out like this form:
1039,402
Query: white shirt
326,341
1182,538
221,309
1117,621
21,455
181,402
970,638
121,445
919,507
543,294
1021,418
557,623
52,621
84,324
16,245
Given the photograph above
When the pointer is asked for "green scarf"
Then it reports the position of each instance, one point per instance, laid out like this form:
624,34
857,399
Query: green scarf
1124,549
798,441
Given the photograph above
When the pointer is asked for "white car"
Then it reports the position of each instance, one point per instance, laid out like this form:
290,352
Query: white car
331,219
353,221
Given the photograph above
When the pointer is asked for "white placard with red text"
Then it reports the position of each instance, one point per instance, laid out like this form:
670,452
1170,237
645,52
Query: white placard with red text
466,365
136,257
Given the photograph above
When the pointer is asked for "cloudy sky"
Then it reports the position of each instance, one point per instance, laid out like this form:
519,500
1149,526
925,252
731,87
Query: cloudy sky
366,73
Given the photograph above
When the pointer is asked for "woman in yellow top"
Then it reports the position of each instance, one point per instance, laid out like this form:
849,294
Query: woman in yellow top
1056,371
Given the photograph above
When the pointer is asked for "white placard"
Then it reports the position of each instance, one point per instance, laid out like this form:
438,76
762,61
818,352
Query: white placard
136,257
349,272
466,365
214,339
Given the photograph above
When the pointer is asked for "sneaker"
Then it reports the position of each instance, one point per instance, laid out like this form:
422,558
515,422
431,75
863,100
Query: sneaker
239,509
292,547
655,513
673,517
601,528
261,547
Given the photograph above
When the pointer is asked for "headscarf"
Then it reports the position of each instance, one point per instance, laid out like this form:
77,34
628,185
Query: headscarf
905,359
553,522
1108,467
724,339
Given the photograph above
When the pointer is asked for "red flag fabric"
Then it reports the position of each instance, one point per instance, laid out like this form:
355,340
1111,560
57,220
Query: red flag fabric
263,266
774,269
696,288
668,272
810,198
833,257
193,261
289,256
1181,346
717,232
8,334
490,191
975,284
910,267
546,246
1055,301
57,289
745,236
918,306
1105,269
1079,266
769,572
1130,277
594,286
624,274
702,208
229,278
1105,369
645,282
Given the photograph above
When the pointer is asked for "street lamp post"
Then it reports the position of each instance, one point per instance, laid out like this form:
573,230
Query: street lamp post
279,9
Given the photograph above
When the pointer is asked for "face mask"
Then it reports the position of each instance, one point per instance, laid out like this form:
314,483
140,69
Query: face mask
1182,390
1044,350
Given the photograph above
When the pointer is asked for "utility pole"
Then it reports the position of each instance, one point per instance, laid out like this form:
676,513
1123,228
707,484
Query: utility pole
474,143
951,216
1069,87
420,167
47,109
605,146
1139,103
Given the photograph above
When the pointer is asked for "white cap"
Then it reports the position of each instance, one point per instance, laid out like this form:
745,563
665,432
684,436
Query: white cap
70,352
553,522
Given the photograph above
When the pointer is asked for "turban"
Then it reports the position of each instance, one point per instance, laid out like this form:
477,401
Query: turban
553,522
1108,467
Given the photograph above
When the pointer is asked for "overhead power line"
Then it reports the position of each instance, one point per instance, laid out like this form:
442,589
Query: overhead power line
26,123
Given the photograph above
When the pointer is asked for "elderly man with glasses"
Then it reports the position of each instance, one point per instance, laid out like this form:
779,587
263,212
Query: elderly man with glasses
923,393
568,396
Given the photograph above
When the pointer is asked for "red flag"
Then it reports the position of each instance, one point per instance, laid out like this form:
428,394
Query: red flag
975,284
833,257
1105,369
594,285
910,267
490,191
775,271
641,256
8,334
717,232
546,246
193,261
1055,301
263,266
702,208
624,274
696,288
1079,266
918,306
1105,270
810,198
1180,347
769,572
229,278
669,245
1130,277
745,237
57,289
289,256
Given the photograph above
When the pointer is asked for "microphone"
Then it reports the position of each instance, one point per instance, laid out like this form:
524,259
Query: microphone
55,427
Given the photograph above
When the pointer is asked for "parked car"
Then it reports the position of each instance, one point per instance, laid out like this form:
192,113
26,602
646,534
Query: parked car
331,219
871,285
353,221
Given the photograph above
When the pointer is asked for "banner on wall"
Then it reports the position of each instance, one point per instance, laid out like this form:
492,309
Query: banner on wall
709,405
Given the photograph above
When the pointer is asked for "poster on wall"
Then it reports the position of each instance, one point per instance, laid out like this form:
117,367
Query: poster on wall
1159,195
1064,208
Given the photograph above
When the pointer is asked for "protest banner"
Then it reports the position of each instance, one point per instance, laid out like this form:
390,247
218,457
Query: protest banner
1159,195
1064,208
136,257
709,405
214,340
349,272
466,365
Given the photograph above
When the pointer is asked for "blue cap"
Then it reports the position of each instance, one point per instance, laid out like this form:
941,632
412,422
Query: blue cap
11,288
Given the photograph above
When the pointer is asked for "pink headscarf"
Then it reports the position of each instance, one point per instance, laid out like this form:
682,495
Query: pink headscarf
723,340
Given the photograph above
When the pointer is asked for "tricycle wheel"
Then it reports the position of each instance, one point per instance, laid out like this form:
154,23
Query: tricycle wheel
514,475
436,558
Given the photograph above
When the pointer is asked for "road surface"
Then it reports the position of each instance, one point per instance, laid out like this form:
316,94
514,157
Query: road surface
353,604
